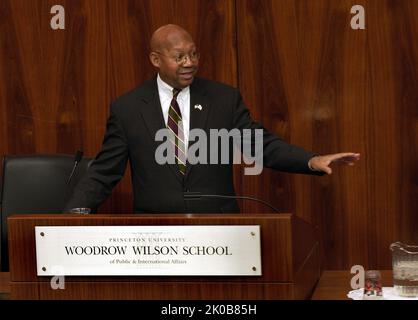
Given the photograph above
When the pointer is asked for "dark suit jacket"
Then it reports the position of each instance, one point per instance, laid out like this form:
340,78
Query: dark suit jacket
135,118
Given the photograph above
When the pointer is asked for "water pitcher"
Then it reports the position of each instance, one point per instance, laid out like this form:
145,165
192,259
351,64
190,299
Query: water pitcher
405,269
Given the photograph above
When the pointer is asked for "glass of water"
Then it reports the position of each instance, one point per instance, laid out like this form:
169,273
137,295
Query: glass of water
81,210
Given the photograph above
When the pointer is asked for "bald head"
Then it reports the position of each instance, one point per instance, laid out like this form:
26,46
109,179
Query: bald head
168,36
174,55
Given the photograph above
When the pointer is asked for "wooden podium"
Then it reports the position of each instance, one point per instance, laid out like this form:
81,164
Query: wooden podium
289,248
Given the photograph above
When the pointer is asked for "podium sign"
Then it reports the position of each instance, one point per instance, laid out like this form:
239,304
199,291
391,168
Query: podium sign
148,250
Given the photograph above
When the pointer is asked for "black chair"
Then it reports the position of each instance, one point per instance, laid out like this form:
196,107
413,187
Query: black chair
35,184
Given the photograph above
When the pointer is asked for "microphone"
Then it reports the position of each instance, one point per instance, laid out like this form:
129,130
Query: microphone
198,195
77,159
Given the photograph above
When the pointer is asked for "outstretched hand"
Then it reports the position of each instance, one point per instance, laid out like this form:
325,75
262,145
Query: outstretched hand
322,163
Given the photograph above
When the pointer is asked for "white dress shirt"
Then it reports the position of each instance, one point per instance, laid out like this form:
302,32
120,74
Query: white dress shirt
165,91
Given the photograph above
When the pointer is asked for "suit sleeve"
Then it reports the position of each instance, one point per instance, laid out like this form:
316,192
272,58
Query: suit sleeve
105,171
269,150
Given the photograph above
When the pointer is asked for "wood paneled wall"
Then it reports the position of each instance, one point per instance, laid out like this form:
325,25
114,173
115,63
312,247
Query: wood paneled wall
303,72
320,84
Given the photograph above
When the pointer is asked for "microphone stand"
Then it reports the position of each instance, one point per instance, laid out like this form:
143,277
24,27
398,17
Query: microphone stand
198,196
78,157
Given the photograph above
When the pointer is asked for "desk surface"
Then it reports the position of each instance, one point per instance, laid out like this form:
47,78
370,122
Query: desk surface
334,285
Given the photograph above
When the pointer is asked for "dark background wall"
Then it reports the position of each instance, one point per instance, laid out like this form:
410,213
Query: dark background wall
303,72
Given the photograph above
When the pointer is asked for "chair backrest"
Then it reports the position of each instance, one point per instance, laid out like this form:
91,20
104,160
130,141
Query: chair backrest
35,184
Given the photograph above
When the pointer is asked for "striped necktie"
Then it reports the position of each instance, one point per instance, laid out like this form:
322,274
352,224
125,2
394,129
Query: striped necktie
175,125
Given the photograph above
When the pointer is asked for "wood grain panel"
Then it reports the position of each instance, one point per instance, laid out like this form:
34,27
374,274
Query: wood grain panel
24,291
262,83
4,282
168,291
307,277
393,104
18,119
338,89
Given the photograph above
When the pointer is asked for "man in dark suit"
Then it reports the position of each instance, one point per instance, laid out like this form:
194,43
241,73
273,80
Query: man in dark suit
178,101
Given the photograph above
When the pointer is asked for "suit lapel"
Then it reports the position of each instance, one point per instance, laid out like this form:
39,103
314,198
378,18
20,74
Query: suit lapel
152,111
152,115
199,110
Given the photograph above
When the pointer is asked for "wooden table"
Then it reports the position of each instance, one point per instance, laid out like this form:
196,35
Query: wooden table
334,285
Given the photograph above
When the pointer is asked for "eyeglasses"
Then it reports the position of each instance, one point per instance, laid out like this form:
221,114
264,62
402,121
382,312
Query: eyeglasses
181,58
